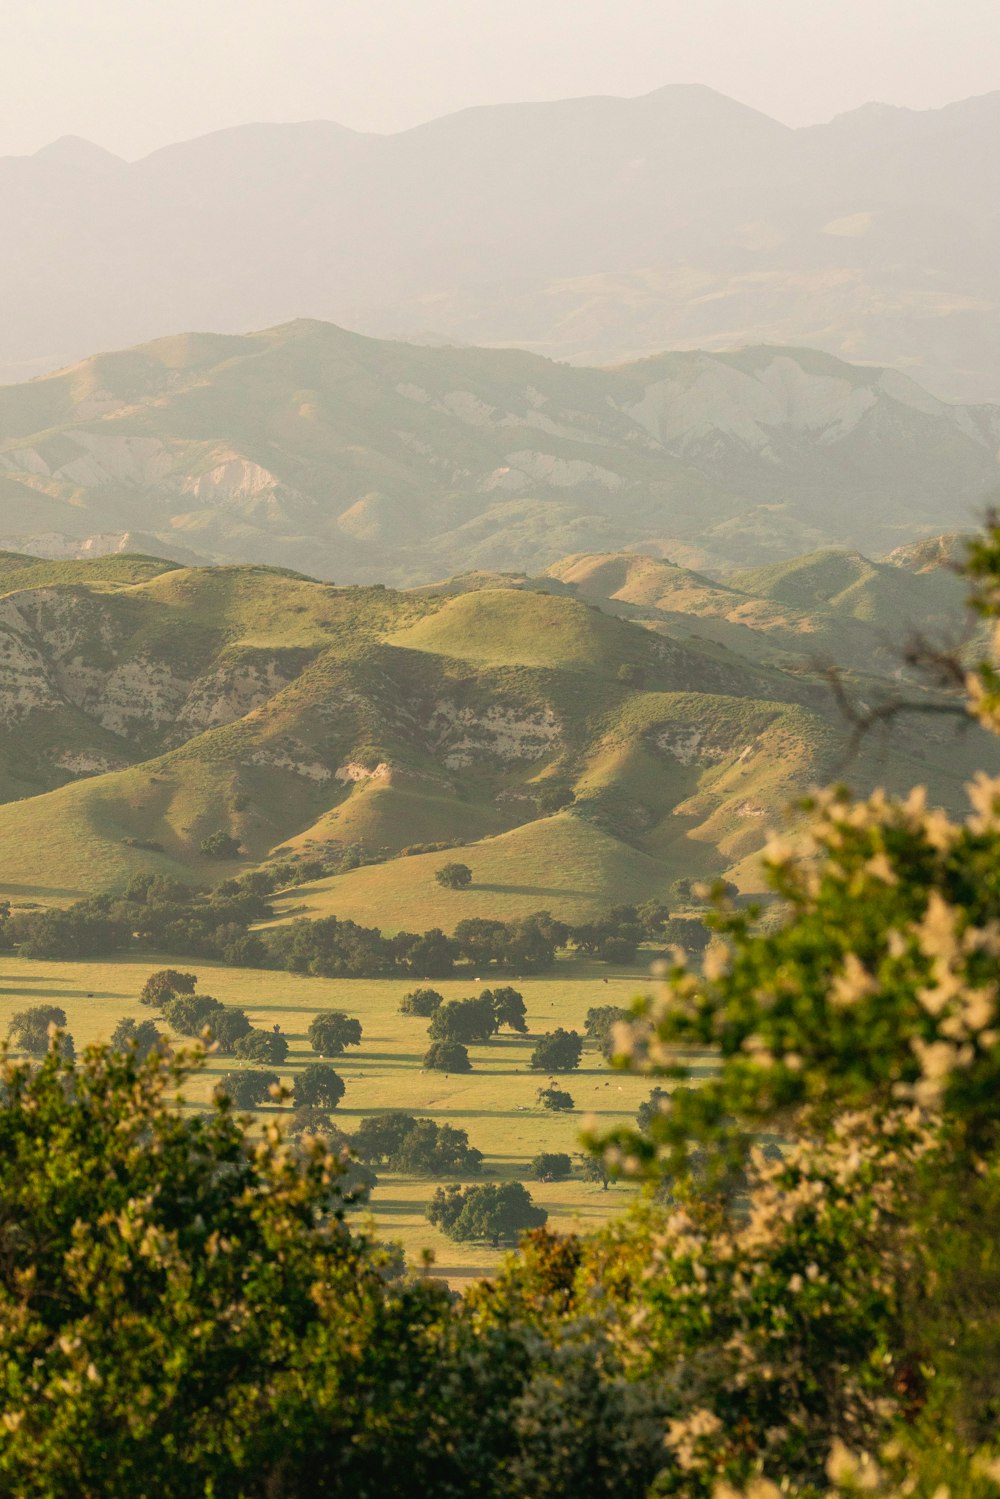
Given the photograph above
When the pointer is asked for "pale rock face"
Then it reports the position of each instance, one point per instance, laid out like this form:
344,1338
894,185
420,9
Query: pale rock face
465,735
83,764
136,461
134,695
233,481
689,746
309,770
353,771
228,693
747,407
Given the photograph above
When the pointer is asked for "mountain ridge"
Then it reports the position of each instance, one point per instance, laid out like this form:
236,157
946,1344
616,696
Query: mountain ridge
369,460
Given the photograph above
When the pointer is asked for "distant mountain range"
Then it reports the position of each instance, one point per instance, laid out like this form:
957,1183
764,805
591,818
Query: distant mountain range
362,460
591,229
144,706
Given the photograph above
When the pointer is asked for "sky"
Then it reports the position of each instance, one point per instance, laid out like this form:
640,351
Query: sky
133,75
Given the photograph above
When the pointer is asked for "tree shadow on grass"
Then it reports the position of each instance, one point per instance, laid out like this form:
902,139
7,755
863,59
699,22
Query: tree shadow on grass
556,890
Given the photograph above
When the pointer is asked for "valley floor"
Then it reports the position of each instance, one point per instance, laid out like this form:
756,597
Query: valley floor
495,1103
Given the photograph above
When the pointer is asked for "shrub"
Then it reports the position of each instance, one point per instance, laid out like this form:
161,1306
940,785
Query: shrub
421,1002
454,876
261,1046
555,1098
318,1086
331,1031
551,1166
220,845
552,799
447,1056
557,1051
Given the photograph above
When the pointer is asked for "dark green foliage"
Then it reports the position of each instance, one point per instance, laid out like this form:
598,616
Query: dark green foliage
600,1023
318,1086
650,1110
431,1149
447,1056
466,1020
190,1013
379,1136
652,915
552,799
430,956
220,845
220,1331
551,1166
595,1170
28,1029
555,1098
508,1008
688,933
331,1031
83,931
227,1026
496,1214
166,984
261,1046
249,1088
454,876
557,1051
618,950
421,1002
140,1034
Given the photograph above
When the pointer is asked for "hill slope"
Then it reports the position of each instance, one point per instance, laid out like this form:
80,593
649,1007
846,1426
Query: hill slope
144,707
365,460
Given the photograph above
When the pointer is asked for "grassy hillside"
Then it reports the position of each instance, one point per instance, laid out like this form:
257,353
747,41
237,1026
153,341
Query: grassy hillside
145,707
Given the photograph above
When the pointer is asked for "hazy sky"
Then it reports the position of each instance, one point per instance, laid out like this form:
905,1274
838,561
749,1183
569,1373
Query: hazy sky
136,74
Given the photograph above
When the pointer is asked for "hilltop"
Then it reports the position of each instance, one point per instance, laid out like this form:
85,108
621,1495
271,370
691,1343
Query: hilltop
577,752
362,460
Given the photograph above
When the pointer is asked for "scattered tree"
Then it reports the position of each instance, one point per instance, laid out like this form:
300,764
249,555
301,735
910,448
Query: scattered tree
454,876
600,1025
166,984
140,1034
508,1008
318,1086
331,1031
248,1089
447,1056
648,1111
28,1030
227,1026
595,1170
220,845
261,1046
421,1002
494,1213
188,1014
465,1020
551,1166
557,1051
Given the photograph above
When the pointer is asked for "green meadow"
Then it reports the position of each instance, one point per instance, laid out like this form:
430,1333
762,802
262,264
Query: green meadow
495,1103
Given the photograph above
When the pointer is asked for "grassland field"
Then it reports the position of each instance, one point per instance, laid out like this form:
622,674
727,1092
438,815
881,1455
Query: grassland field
495,1103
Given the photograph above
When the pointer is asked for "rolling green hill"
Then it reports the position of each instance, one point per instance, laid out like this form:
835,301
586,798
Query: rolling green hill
360,459
144,707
